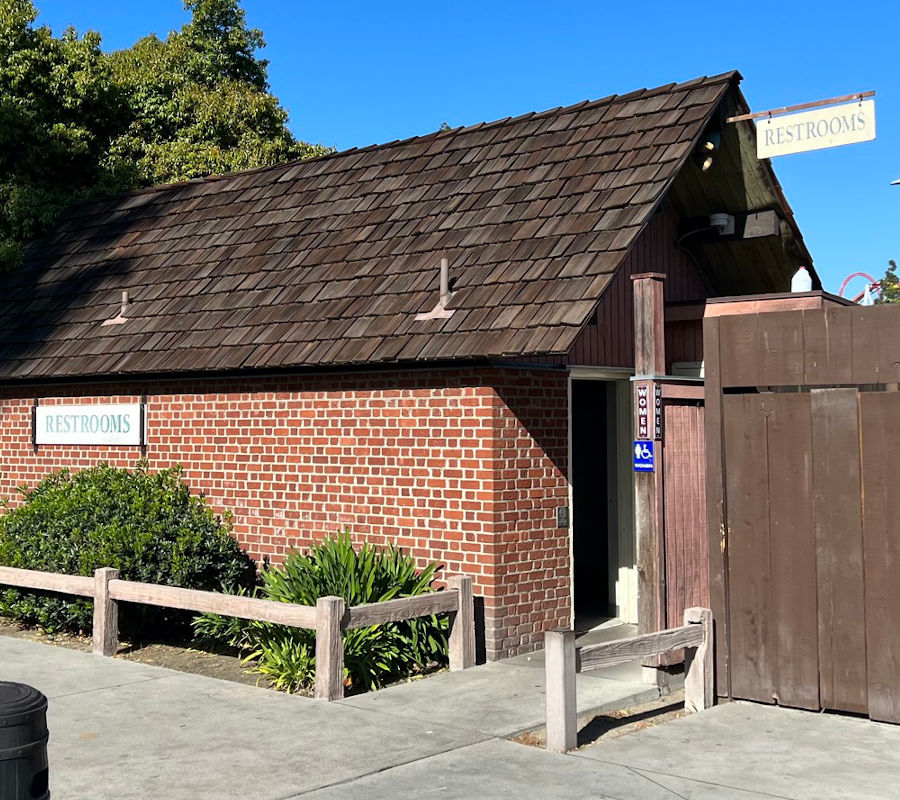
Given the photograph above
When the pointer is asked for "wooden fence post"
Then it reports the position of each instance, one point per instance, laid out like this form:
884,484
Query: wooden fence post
649,364
562,711
329,648
462,625
106,614
698,663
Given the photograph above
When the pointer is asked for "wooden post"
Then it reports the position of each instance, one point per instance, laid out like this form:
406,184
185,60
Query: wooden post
649,363
562,709
698,663
649,324
106,614
714,434
329,648
462,625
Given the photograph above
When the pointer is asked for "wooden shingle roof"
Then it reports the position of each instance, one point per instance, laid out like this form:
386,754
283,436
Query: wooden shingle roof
328,261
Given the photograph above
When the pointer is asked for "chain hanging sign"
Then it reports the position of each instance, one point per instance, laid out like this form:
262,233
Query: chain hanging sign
816,130
831,123
826,125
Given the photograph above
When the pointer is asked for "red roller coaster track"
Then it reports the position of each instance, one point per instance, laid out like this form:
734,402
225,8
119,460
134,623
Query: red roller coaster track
871,283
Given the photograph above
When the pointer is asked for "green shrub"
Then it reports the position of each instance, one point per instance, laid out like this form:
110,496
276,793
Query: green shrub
146,525
372,656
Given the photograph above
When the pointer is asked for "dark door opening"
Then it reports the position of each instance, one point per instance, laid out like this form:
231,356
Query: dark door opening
592,534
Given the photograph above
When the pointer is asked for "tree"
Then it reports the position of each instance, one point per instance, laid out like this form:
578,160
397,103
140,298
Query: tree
200,101
890,285
59,112
76,122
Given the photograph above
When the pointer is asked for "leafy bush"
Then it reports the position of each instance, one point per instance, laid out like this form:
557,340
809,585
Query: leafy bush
146,525
372,656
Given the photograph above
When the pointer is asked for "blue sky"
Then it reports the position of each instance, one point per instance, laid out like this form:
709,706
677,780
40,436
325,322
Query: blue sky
358,73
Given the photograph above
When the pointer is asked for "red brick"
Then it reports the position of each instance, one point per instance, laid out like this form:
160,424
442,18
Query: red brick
461,466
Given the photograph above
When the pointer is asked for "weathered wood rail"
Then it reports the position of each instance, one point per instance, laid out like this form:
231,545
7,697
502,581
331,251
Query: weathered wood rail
564,660
328,618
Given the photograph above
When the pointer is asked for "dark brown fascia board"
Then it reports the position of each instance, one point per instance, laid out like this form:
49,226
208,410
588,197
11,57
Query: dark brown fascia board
286,372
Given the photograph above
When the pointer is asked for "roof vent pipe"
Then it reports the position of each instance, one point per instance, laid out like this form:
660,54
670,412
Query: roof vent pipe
440,311
123,309
445,283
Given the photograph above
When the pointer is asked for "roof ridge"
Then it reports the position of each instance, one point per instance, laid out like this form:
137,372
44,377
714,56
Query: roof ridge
581,105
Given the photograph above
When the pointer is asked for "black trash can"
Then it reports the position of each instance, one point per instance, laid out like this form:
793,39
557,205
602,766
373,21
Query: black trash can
24,771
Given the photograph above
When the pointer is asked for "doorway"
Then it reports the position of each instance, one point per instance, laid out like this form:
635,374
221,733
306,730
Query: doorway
602,501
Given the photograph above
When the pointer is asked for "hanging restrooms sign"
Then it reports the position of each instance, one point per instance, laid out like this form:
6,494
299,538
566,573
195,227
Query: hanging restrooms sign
816,129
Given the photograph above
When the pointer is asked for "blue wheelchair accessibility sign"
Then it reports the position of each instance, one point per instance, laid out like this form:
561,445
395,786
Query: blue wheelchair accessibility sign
643,456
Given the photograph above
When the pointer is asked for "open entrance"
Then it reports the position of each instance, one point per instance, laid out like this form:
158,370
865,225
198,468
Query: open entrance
602,499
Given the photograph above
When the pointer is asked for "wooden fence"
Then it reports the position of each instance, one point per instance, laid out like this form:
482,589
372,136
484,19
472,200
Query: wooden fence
328,618
803,451
564,660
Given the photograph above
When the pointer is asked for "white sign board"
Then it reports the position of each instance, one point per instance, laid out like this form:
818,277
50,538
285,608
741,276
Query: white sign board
816,129
103,424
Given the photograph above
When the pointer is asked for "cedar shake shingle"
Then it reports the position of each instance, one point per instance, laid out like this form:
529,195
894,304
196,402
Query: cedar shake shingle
327,261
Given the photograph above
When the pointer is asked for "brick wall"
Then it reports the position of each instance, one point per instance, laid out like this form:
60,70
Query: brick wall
465,467
533,571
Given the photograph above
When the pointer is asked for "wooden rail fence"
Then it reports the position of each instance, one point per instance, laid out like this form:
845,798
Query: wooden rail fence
328,618
564,660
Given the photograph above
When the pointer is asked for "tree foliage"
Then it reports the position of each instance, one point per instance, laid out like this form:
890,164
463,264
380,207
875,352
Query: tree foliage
59,112
200,101
77,122
890,285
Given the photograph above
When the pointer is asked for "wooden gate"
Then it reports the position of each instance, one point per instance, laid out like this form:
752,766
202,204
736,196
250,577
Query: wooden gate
803,422
684,496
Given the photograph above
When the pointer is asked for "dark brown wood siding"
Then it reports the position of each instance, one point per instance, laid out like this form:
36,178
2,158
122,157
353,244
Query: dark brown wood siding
609,340
684,342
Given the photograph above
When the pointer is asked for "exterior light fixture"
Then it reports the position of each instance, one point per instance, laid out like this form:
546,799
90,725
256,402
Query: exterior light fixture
723,223
706,149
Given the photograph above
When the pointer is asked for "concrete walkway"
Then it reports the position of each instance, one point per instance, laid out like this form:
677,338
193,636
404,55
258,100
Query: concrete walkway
120,729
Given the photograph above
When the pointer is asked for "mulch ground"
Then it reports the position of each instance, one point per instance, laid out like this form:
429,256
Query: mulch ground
181,657
171,655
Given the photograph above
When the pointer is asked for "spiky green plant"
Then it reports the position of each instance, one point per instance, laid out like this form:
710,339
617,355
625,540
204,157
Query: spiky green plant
372,656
